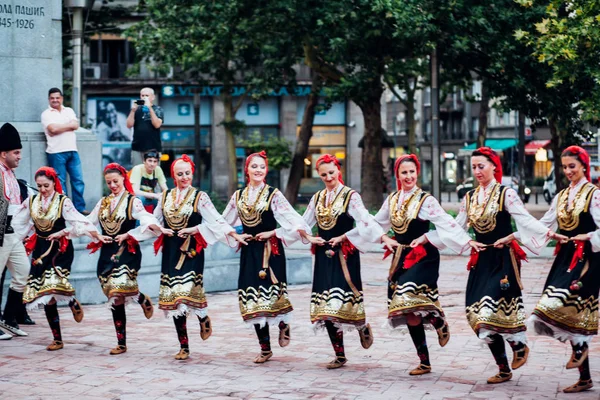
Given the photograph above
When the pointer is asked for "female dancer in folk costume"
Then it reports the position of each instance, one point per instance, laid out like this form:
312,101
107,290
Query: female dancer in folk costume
191,223
568,308
494,303
262,284
337,298
50,220
120,255
412,291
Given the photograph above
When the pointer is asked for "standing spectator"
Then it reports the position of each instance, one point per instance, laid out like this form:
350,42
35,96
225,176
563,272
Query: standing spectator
60,124
146,177
146,122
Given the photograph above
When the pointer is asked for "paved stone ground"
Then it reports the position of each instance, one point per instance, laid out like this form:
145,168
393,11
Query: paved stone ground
222,366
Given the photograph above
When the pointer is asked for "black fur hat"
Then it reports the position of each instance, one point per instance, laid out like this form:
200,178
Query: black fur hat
9,138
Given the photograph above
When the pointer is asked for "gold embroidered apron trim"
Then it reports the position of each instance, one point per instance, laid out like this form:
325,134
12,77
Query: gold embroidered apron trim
337,304
264,302
44,220
111,221
402,215
409,297
177,217
189,287
52,281
502,314
250,214
568,219
327,214
482,217
569,311
121,281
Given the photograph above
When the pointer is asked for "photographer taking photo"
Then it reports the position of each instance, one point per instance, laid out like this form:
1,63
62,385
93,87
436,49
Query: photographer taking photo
145,119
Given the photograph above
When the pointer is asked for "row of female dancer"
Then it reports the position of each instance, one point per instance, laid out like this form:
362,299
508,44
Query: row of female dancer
187,222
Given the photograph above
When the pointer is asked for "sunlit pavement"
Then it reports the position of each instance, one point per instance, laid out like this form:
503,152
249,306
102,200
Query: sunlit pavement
222,366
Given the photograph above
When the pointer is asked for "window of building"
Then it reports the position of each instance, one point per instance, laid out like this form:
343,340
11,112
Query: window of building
476,90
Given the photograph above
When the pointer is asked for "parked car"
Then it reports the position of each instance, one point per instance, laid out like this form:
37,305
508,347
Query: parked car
549,188
507,181
550,183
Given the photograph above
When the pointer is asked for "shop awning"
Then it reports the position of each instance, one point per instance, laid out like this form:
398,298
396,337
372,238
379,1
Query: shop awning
494,144
532,147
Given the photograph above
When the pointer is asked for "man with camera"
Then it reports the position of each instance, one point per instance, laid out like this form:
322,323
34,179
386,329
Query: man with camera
146,119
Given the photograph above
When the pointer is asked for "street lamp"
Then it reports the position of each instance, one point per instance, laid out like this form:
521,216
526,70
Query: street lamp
77,7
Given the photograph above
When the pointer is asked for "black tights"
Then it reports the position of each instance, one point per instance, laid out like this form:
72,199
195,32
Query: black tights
417,333
498,351
337,339
263,337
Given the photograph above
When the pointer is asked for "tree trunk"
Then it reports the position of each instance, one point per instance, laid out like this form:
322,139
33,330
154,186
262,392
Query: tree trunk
484,109
371,166
301,151
410,123
556,142
232,183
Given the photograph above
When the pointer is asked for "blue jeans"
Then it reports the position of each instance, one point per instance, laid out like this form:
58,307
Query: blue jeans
69,162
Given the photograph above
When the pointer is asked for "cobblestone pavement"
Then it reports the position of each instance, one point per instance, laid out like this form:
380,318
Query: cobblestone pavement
222,367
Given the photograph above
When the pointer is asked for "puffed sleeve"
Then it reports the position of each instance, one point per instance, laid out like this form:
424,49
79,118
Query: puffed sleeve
361,236
213,227
93,216
77,224
595,211
448,232
532,233
460,220
548,220
383,218
289,220
138,212
21,221
230,214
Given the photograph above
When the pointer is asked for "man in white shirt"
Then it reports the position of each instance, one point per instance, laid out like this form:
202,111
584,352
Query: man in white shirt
60,124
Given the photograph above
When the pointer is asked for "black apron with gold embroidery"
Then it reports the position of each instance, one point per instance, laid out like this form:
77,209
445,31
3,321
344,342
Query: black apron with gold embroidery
412,290
50,270
334,297
488,305
181,280
118,266
568,312
262,284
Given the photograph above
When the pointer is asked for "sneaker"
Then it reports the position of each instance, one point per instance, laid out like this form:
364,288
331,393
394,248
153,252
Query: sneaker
5,336
14,329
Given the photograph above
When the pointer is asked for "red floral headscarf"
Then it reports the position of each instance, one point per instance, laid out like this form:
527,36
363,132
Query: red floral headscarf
399,161
493,157
51,174
582,156
328,158
123,172
263,155
183,158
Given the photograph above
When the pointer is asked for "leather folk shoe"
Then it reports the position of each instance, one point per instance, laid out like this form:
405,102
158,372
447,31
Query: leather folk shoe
263,357
120,349
443,335
205,328
76,310
55,345
183,354
366,336
284,336
577,358
520,357
500,377
580,386
421,370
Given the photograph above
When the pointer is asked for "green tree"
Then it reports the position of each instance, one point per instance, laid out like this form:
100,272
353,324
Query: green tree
351,45
226,42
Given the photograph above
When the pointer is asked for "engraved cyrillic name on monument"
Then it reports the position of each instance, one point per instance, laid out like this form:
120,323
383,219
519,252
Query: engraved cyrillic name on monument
30,56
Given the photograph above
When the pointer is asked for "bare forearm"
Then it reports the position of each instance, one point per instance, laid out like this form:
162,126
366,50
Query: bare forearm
130,119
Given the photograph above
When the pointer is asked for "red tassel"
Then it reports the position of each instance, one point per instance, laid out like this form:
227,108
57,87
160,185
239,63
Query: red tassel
158,243
578,255
557,248
131,244
347,248
520,255
64,243
415,255
30,243
473,259
200,243
313,248
387,253
274,246
94,246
